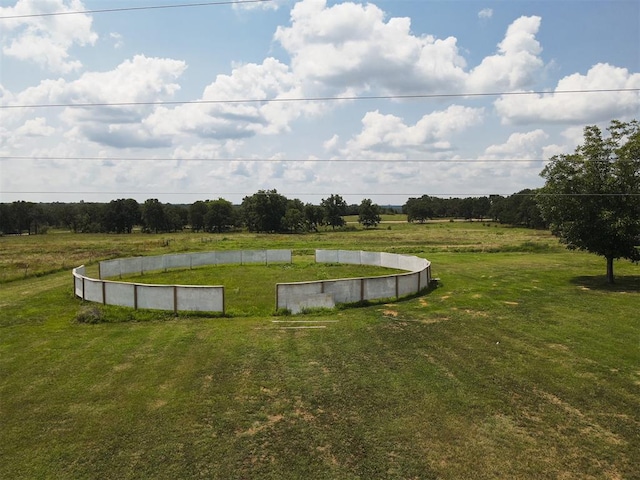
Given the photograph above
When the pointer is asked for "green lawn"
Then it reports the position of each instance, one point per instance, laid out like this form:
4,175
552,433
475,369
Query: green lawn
250,289
523,363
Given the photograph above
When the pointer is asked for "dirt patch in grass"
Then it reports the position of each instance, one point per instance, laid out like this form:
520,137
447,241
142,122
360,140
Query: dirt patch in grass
551,398
258,427
121,367
590,428
157,404
476,313
558,346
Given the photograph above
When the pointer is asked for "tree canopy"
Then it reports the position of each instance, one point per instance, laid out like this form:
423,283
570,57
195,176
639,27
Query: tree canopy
591,198
263,211
369,213
334,208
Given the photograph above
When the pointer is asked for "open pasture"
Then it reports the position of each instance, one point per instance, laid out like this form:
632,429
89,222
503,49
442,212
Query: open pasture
523,363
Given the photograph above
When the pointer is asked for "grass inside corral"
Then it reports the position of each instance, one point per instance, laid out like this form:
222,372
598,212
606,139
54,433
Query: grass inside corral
250,289
523,363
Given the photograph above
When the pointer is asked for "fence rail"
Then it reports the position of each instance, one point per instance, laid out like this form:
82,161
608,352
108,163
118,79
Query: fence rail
211,298
327,293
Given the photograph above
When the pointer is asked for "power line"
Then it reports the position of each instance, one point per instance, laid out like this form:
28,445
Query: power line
298,160
282,160
307,194
130,9
313,99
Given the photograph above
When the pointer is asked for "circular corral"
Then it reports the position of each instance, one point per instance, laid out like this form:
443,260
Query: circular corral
290,296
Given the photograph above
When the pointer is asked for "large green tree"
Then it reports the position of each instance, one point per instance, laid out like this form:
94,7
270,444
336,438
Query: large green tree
220,215
334,208
591,198
263,211
153,216
314,216
197,212
419,209
368,213
121,215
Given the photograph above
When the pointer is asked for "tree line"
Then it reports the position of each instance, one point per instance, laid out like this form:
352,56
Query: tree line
265,211
520,209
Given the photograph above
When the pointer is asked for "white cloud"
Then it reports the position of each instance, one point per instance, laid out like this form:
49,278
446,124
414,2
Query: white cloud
485,13
140,79
347,48
519,146
388,136
522,155
577,108
219,121
331,144
46,40
354,46
36,127
118,41
517,62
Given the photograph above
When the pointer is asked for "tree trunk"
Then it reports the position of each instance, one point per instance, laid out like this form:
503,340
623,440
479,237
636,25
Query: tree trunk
610,280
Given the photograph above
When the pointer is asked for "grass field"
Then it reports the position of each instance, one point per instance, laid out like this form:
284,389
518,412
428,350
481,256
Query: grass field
523,363
244,296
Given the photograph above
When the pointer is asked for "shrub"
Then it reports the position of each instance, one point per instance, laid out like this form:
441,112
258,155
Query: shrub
89,314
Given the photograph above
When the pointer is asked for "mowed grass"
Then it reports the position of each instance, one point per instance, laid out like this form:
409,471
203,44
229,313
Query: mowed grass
523,363
250,289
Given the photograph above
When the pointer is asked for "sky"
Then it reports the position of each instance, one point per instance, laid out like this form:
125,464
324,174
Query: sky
385,100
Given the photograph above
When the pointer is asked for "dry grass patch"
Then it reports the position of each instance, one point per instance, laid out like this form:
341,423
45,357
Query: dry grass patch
258,427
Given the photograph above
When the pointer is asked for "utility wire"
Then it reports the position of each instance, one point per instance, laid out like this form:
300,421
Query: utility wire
313,99
300,160
307,194
130,9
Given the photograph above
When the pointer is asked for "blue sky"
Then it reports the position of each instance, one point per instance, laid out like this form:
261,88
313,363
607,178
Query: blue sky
385,149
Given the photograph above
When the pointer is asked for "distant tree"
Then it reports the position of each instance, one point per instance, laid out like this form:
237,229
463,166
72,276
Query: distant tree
314,216
121,215
352,209
368,213
69,216
153,216
197,212
294,217
176,217
520,209
334,208
481,207
591,198
23,214
466,208
263,211
89,217
8,223
220,216
293,221
419,209
132,214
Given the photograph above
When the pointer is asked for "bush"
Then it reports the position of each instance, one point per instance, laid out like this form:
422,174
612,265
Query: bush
89,314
